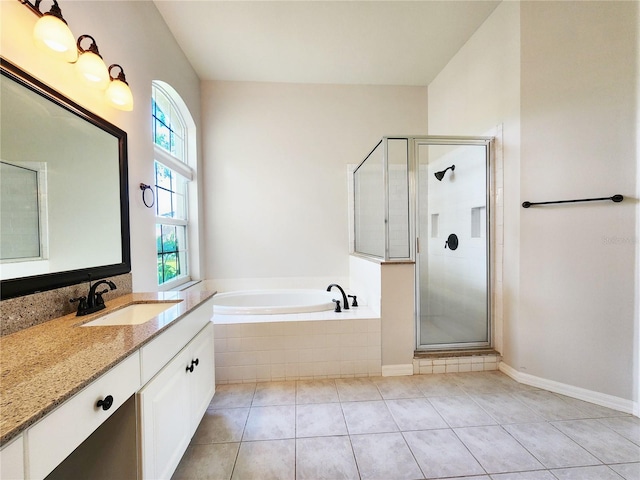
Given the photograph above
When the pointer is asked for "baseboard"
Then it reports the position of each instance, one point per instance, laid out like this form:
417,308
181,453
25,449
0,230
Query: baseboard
609,401
397,370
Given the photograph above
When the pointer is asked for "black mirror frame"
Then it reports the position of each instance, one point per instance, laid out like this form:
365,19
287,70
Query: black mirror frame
38,283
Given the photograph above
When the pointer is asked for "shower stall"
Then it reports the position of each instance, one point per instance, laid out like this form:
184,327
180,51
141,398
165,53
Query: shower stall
427,199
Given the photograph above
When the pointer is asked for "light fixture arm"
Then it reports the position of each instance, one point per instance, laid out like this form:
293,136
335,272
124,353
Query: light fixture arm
35,8
93,48
120,76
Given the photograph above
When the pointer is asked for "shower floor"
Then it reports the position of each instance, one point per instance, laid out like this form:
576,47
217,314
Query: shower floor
441,329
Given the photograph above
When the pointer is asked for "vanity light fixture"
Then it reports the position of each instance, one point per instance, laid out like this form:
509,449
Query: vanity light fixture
51,32
90,65
118,93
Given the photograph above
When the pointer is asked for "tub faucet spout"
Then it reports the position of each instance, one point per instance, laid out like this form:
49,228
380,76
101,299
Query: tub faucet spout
345,303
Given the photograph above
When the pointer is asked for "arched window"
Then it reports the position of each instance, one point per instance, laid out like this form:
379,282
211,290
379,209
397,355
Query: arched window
173,175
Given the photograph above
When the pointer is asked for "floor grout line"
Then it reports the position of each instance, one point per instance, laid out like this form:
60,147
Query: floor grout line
470,388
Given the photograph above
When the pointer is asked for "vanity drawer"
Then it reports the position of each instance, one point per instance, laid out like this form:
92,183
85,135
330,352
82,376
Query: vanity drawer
162,349
54,437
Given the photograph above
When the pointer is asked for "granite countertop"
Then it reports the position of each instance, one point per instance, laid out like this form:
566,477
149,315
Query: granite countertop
45,365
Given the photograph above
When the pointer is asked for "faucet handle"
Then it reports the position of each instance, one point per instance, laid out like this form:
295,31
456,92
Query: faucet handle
82,304
99,299
355,300
337,302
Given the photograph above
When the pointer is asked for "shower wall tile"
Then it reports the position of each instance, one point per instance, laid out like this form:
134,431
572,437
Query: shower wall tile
298,350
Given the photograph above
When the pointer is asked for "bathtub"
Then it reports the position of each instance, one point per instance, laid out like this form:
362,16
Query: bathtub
274,335
271,302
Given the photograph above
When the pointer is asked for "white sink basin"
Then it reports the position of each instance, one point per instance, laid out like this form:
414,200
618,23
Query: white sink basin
134,314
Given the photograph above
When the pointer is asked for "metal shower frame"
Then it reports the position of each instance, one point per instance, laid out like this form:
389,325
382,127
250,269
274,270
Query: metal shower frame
413,211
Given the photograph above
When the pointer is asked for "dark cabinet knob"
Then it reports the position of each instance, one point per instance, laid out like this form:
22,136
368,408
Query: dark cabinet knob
105,403
194,364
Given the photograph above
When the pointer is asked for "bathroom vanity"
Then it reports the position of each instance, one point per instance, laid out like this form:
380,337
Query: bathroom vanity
69,387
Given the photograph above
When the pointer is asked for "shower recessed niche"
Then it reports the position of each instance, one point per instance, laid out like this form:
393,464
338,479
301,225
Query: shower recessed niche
479,222
434,224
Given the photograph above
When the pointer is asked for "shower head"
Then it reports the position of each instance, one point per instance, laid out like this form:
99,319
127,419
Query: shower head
440,175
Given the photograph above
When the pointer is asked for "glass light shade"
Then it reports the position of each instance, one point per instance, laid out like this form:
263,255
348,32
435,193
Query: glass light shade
92,70
53,35
119,95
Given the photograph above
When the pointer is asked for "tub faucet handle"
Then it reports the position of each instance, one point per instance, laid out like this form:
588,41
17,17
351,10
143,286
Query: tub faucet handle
355,300
337,302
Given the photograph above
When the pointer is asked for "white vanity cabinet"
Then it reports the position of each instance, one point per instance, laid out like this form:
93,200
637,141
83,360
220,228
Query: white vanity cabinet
12,460
172,404
137,418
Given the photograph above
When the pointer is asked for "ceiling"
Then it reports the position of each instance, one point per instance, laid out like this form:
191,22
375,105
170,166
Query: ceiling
335,42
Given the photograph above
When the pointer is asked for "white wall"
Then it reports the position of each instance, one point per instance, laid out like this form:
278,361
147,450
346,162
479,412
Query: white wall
636,364
133,35
276,183
578,263
561,77
478,90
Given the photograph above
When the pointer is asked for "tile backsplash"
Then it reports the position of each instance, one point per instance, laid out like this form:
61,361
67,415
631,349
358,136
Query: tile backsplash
24,312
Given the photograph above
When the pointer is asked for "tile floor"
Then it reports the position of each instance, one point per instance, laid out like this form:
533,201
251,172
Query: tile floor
474,426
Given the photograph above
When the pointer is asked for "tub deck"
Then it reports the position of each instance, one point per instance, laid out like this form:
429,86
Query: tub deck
354,313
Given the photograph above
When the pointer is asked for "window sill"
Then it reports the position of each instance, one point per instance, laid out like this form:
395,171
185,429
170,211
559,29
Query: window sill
177,284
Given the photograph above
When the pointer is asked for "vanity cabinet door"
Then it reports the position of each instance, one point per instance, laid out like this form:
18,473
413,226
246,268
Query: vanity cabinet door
165,418
172,405
12,460
202,381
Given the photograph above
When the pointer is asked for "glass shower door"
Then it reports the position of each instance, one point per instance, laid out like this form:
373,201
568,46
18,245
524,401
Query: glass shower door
453,249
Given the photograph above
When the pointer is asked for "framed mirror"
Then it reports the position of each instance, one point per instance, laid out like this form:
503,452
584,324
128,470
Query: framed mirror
64,208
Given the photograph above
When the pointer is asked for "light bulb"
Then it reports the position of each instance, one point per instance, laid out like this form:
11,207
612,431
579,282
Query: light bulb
53,35
90,65
119,95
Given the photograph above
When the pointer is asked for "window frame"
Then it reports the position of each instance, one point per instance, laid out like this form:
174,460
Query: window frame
179,166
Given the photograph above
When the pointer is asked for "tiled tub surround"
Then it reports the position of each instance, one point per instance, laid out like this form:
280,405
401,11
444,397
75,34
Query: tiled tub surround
297,346
478,425
30,310
43,366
